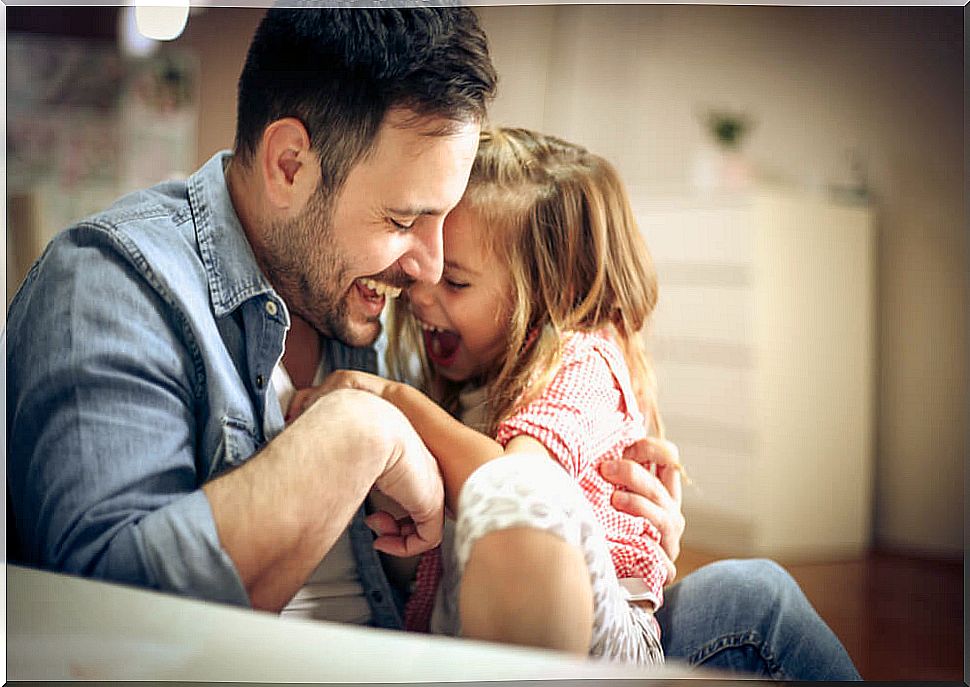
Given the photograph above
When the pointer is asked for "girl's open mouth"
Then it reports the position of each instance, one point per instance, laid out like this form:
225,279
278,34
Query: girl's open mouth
441,345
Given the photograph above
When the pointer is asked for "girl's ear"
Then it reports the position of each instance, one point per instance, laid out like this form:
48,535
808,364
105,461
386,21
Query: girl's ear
289,168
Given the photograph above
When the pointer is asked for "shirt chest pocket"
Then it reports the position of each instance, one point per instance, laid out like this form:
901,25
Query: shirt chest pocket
235,441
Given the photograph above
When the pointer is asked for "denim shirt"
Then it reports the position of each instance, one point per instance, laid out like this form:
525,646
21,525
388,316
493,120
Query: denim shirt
139,355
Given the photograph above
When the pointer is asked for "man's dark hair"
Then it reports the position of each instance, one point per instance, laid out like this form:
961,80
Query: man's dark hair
340,70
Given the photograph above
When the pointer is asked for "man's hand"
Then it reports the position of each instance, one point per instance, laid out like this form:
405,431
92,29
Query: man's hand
412,479
411,476
656,497
280,513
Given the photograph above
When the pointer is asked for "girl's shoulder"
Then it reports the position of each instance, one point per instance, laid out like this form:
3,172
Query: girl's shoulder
599,350
583,345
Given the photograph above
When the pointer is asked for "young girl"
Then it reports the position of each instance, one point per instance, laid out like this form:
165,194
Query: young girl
533,337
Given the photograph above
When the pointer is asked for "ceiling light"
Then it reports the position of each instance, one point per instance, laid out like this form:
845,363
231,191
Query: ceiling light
161,20
133,43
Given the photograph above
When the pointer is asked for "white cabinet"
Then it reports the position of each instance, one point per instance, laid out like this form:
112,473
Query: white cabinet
763,342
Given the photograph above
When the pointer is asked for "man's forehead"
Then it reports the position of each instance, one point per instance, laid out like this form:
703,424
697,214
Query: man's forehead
411,174
412,136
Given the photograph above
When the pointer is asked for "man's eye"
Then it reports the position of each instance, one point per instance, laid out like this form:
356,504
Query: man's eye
403,226
457,285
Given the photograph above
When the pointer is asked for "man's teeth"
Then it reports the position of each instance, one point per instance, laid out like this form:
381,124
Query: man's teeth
381,288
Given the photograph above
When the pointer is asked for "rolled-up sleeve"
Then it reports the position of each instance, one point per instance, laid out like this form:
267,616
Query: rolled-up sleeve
103,405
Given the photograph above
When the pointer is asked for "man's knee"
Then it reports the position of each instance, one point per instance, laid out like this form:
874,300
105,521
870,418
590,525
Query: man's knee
760,585
761,574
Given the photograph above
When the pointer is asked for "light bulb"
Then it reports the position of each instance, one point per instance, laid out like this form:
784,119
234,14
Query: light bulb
133,43
161,20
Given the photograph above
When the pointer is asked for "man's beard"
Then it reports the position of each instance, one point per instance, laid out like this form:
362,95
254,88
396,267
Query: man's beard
311,275
304,262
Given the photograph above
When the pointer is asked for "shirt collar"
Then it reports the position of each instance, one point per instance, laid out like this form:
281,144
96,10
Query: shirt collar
231,268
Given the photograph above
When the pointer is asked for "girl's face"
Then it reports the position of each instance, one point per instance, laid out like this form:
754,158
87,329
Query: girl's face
465,315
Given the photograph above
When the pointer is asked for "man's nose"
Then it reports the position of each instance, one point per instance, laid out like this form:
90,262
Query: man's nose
425,261
421,294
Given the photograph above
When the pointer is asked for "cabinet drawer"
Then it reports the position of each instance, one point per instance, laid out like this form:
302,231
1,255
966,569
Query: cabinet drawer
717,405
704,235
705,313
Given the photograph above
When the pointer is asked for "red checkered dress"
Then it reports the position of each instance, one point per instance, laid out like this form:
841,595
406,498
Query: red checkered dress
586,415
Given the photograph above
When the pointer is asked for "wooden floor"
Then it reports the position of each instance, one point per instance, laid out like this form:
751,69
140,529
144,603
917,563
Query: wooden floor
899,617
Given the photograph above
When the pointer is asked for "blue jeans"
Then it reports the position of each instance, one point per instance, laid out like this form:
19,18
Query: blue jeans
750,616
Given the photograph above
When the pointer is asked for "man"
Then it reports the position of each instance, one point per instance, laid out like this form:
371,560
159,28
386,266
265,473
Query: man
146,444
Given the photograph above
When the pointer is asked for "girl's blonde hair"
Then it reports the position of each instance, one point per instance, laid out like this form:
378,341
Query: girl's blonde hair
560,218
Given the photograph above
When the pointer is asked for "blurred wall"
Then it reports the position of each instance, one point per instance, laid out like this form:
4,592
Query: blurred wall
823,84
220,38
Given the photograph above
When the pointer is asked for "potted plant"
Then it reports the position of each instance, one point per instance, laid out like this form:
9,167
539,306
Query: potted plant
725,167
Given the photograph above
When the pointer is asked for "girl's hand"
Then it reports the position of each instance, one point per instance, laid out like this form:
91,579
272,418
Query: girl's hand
656,497
340,379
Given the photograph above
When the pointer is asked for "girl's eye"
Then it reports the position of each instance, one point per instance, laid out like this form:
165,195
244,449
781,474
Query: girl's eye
402,226
456,285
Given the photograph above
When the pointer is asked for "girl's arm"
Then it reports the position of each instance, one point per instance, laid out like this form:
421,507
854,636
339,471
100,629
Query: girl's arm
459,450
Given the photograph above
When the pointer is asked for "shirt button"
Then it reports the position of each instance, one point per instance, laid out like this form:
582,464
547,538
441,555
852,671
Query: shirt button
260,381
271,308
377,596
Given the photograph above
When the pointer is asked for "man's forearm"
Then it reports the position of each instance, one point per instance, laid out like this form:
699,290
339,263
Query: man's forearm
281,512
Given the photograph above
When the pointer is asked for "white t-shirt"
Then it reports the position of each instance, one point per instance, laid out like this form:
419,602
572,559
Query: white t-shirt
333,591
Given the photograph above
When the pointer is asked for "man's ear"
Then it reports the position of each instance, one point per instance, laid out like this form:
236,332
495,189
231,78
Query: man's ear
288,165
